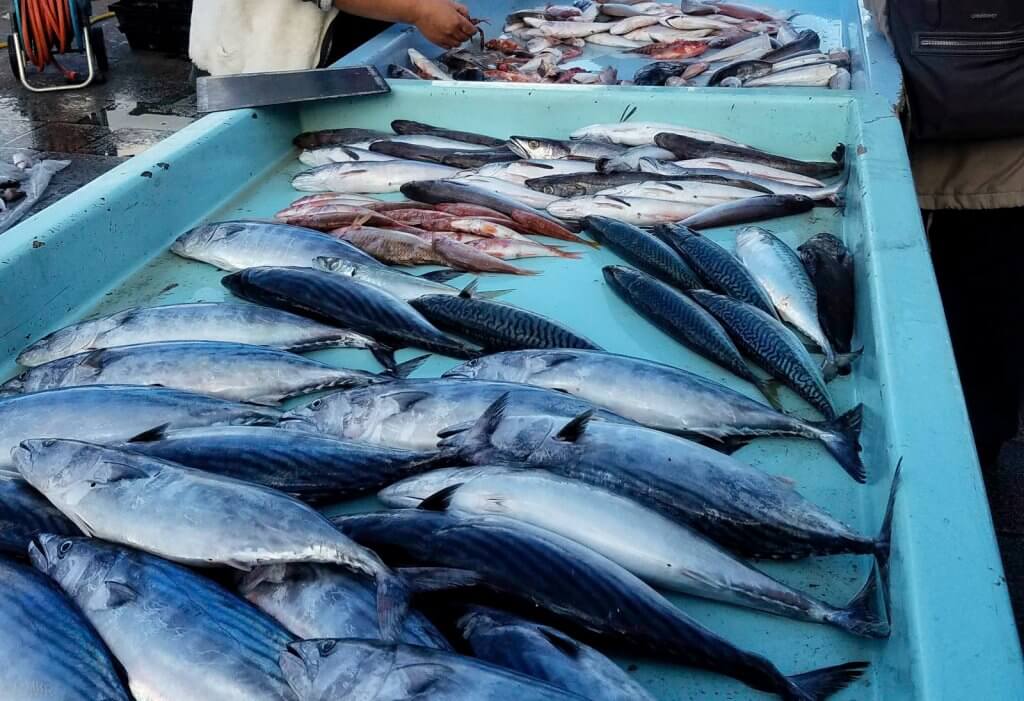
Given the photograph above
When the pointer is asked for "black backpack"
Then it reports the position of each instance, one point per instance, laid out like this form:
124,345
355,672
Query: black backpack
963,61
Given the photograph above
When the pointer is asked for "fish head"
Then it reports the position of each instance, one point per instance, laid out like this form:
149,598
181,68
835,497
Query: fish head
204,236
75,563
329,668
342,413
338,266
530,147
71,339
500,367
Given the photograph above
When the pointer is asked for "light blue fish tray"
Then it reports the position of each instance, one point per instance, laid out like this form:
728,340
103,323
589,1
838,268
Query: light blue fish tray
104,248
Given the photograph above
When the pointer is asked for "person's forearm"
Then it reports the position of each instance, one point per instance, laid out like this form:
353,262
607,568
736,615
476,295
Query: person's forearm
406,11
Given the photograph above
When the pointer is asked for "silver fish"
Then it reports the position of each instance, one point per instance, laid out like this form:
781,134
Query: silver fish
435,141
629,24
754,169
630,160
401,284
816,75
235,371
638,211
236,245
47,647
195,517
747,50
685,191
427,68
201,321
568,29
643,133
159,619
521,171
340,154
782,274
519,193
614,40
104,413
373,177
581,150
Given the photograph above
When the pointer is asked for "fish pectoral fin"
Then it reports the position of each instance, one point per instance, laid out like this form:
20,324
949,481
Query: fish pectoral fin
573,430
422,677
440,500
118,594
408,398
118,472
151,436
563,643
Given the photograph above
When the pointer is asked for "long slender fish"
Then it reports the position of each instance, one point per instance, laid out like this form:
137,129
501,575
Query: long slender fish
588,590
200,321
751,209
453,191
773,347
547,654
663,553
47,647
720,269
339,154
237,245
311,467
159,618
364,669
812,76
236,371
496,325
663,397
692,191
520,193
103,413
194,517
405,126
410,414
321,601
684,147
521,171
468,157
684,320
337,137
399,283
346,302
830,265
577,184
741,508
644,250
372,177
586,150
436,141
639,211
24,514
779,270
644,133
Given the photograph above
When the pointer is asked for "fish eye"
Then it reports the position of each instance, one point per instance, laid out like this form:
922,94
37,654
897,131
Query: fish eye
49,442
316,404
327,647
64,547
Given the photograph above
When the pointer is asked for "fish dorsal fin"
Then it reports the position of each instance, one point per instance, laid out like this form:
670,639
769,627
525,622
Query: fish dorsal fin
118,594
573,430
151,436
406,368
562,643
407,399
469,290
440,500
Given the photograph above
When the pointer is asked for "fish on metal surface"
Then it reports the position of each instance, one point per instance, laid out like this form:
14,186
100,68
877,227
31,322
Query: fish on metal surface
435,140
643,250
335,215
310,467
344,301
577,584
664,397
48,648
752,169
159,618
496,325
685,146
830,265
198,321
547,654
639,211
372,177
235,371
515,249
103,413
236,245
194,517
663,553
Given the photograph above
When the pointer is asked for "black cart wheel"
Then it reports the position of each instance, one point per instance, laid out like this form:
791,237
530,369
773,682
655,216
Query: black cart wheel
99,52
12,53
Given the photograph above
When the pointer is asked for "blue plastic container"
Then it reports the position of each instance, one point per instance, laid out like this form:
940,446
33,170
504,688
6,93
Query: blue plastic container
103,248
838,22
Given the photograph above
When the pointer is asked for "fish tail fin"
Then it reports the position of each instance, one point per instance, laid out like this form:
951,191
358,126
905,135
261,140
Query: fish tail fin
385,355
841,437
392,605
862,615
883,542
465,440
404,369
770,390
822,683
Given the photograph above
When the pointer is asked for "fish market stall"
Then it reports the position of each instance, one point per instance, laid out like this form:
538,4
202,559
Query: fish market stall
117,245
844,29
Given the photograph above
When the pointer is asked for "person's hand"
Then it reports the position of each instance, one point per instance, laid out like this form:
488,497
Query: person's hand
443,22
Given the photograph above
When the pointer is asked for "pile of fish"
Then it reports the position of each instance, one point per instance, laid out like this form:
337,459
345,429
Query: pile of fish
539,499
688,44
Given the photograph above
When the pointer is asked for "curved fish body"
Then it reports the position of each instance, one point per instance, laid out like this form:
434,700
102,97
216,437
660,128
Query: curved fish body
685,146
201,321
746,510
159,618
772,346
346,302
639,211
320,601
659,551
369,669
237,245
750,209
410,414
643,133
545,653
691,191
236,371
519,193
498,326
571,581
720,269
830,265
24,514
763,173
49,650
579,184
368,178
103,414
681,318
407,127
663,397
643,250
340,154
781,273
337,137
310,467
401,284
194,517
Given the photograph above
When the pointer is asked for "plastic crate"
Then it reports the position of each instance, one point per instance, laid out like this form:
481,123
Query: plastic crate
155,25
